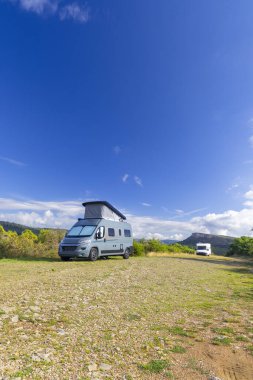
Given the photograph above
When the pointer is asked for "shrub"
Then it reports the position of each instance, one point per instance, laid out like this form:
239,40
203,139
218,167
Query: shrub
241,246
28,244
138,249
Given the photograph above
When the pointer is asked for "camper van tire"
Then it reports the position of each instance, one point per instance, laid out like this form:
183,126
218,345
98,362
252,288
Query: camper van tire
93,254
65,258
126,254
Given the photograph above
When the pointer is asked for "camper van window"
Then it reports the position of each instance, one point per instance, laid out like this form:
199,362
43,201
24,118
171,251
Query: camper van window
111,232
81,231
127,233
119,232
100,232
202,247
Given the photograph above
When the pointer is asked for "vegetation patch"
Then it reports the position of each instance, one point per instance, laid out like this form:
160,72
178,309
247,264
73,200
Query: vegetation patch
155,366
224,330
221,341
178,349
178,330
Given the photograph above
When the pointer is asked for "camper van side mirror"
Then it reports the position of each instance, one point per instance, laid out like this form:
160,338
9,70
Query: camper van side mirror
100,233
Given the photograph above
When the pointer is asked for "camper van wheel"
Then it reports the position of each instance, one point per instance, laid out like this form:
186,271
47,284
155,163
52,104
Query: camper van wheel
93,254
126,254
65,258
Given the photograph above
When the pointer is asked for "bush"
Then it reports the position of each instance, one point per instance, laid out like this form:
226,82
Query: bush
28,244
241,246
138,249
145,246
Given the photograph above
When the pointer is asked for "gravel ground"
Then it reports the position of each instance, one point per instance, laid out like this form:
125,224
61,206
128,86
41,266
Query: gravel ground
142,318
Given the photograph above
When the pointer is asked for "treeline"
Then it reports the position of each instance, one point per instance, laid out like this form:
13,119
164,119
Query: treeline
27,244
143,247
45,244
242,246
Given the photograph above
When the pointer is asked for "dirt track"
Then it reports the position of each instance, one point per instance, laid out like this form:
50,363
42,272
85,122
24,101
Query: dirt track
151,318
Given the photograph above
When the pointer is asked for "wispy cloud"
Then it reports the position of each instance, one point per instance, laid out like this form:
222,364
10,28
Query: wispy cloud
138,181
125,177
232,187
38,6
117,149
74,11
70,11
251,141
12,161
181,213
146,204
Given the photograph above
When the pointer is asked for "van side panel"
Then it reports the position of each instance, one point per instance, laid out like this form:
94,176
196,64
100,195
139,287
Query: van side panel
114,242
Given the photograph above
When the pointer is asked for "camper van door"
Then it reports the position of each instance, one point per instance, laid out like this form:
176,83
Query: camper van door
111,241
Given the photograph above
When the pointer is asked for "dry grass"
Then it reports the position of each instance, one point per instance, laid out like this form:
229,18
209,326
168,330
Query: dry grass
143,318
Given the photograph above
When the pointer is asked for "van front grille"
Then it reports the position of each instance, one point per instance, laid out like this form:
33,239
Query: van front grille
69,248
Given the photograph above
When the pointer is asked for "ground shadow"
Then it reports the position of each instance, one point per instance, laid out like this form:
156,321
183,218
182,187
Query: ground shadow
55,259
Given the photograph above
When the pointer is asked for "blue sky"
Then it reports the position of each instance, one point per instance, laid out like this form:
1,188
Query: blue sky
146,104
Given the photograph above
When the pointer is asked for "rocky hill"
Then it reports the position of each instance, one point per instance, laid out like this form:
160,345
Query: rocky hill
220,243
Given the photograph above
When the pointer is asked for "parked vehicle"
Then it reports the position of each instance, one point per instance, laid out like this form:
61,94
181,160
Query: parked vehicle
203,249
103,232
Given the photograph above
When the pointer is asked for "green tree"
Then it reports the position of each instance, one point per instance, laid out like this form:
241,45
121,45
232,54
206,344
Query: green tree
241,246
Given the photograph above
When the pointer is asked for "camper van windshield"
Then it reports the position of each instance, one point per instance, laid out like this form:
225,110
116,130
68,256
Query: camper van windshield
203,247
81,231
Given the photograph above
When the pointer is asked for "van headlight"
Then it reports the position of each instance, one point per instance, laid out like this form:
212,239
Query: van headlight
85,242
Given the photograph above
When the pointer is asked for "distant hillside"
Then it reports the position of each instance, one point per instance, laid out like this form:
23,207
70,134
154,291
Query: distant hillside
220,243
169,241
19,228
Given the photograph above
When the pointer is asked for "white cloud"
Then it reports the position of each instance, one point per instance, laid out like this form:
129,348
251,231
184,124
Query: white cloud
232,223
125,177
74,11
138,181
11,161
40,213
64,213
251,141
146,204
248,194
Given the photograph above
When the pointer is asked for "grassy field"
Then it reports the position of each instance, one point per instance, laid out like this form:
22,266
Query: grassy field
176,317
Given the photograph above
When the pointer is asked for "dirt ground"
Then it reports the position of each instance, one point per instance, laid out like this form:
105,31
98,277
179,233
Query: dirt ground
176,317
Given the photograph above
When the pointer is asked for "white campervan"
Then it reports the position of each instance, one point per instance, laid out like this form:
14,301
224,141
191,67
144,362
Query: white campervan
203,249
102,232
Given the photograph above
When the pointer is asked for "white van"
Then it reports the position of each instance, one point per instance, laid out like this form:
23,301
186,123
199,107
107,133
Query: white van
102,232
203,249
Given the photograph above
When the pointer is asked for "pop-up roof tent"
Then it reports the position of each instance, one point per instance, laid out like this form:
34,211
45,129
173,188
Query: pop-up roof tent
102,209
